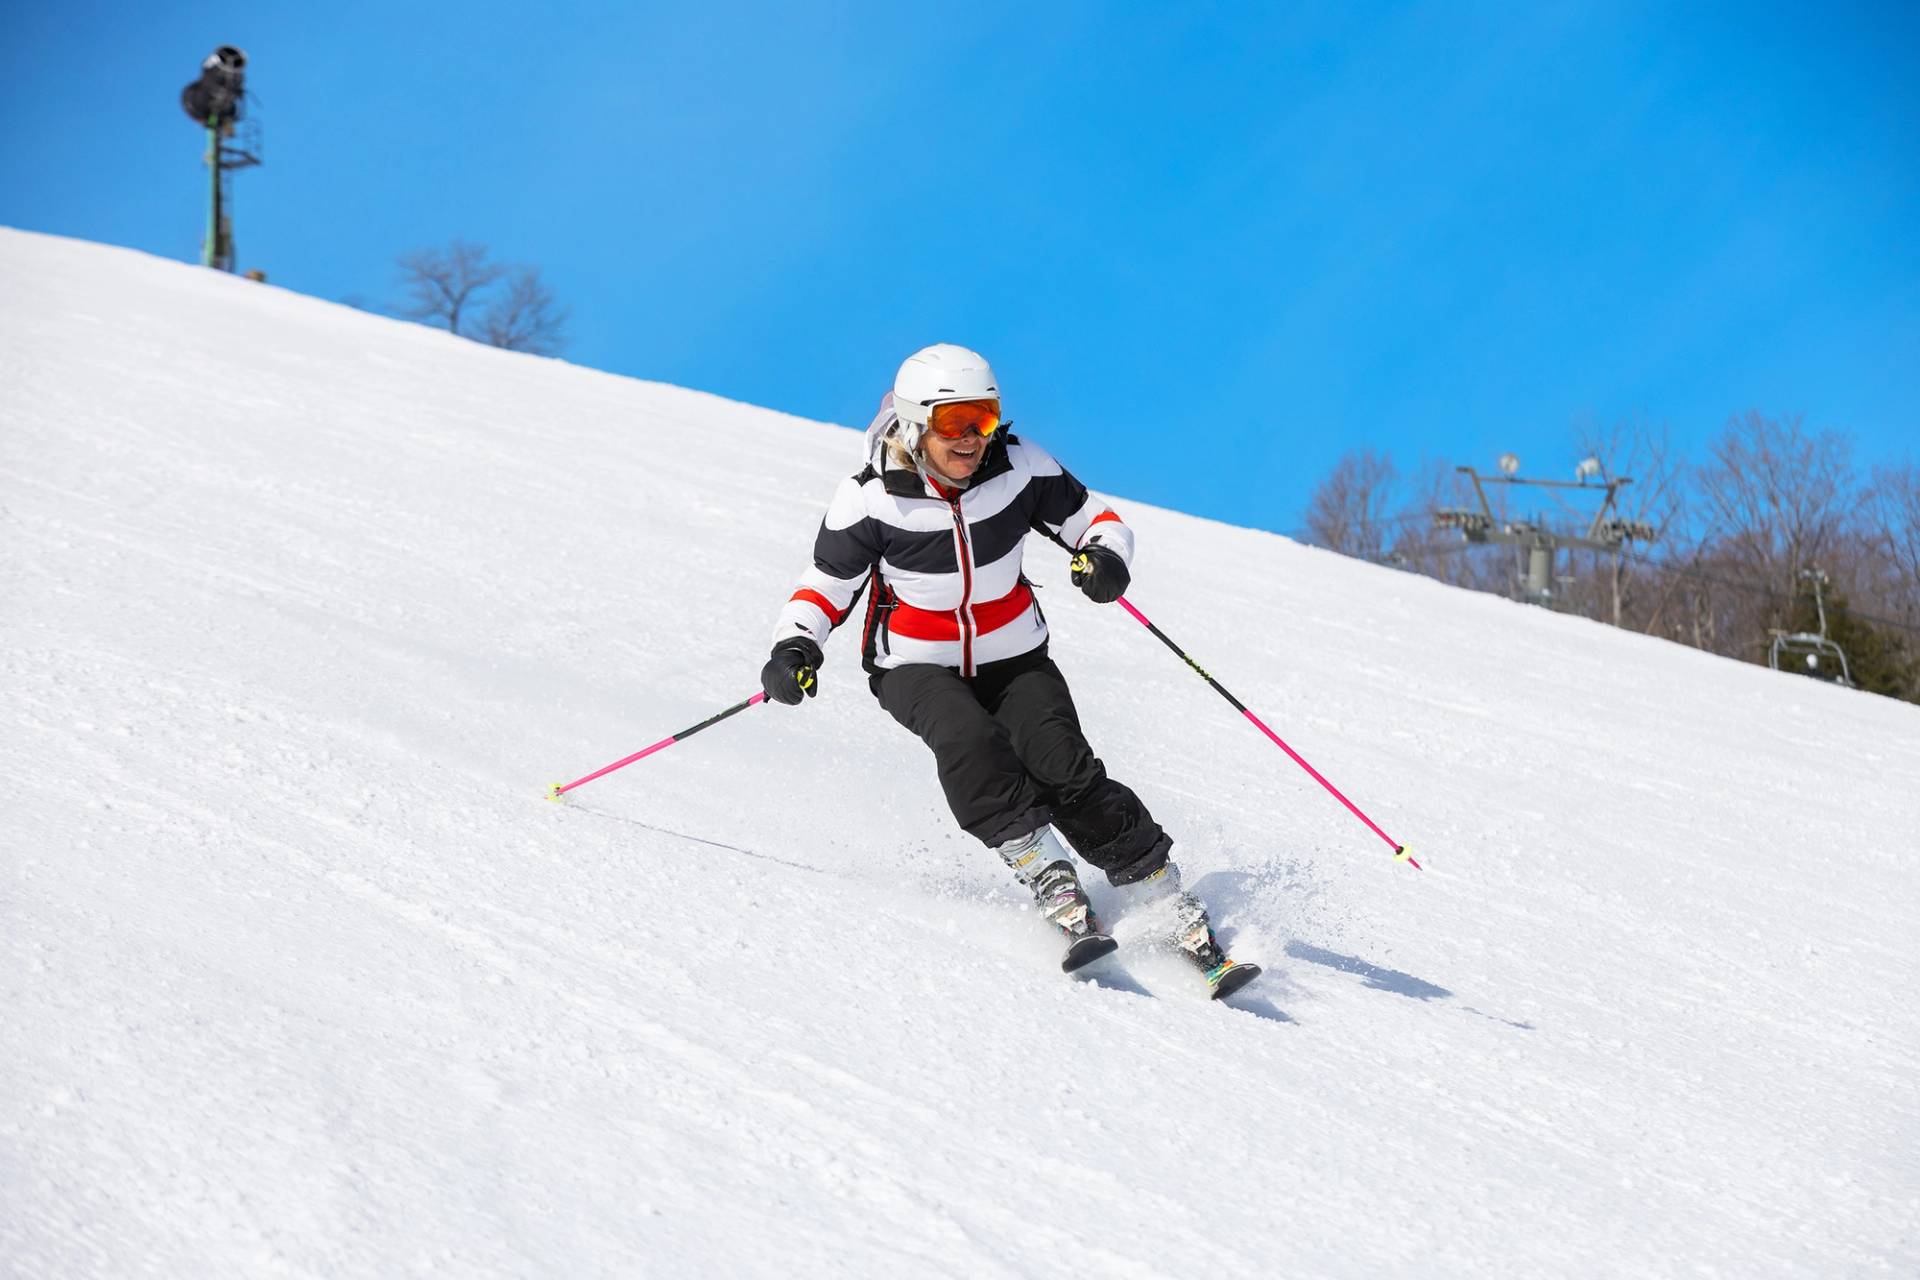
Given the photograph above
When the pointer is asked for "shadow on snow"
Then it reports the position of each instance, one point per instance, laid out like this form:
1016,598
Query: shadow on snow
1380,979
711,844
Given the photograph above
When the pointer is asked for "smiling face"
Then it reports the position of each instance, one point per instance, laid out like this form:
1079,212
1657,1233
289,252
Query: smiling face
955,440
954,459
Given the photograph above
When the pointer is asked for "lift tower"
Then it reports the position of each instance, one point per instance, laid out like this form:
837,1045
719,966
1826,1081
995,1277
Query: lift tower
1542,543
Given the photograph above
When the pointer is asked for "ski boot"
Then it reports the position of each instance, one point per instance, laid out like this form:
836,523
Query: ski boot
1039,862
1192,932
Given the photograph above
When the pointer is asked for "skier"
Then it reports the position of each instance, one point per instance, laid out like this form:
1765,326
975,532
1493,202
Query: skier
955,644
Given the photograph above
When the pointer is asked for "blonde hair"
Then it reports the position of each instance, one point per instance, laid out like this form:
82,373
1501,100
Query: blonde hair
897,449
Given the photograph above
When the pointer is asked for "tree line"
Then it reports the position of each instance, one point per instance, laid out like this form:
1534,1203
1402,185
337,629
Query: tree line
1741,534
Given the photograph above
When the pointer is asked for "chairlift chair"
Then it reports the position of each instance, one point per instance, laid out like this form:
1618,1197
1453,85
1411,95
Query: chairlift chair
1810,648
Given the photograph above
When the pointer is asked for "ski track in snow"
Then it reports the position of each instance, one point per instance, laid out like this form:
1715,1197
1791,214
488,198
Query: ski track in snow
305,607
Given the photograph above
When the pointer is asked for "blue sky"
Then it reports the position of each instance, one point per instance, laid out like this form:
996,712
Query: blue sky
1208,247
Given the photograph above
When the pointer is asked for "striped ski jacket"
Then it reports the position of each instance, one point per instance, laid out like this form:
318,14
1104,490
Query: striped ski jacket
944,565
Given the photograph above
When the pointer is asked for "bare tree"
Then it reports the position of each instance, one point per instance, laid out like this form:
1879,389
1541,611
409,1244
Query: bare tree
441,283
1706,598
1348,510
526,317
1778,500
1893,513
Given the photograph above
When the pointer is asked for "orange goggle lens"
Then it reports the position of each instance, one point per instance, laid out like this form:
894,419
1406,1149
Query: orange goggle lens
955,418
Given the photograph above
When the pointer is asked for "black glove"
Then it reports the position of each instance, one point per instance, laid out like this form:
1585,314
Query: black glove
792,672
1101,573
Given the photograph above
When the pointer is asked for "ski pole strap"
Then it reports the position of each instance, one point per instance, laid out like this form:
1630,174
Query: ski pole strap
559,789
1399,850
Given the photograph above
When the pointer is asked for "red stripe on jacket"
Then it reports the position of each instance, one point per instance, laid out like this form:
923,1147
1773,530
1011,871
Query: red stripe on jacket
812,597
944,624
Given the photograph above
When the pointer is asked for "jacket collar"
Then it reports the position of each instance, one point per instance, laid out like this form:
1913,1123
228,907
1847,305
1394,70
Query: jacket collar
908,482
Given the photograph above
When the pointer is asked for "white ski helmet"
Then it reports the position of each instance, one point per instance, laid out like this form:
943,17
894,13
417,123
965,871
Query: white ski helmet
936,373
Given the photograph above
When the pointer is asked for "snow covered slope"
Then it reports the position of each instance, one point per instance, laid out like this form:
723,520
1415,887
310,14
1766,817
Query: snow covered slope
304,608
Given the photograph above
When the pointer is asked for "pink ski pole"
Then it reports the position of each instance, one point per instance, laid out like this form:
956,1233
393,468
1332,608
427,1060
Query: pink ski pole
559,789
1399,850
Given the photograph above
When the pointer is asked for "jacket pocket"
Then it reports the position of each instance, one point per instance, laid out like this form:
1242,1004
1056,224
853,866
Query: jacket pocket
1033,592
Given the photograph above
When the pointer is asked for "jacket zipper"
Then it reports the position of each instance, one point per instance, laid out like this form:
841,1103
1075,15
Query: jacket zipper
965,612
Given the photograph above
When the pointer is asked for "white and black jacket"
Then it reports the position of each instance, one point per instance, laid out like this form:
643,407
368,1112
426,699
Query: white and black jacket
950,590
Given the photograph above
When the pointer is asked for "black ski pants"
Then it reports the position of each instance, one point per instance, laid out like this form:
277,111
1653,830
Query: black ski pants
1011,758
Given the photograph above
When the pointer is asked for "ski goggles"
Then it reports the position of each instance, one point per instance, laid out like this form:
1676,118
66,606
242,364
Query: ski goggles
952,419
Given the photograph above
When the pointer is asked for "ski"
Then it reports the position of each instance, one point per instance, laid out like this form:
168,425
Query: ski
1229,976
1086,948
